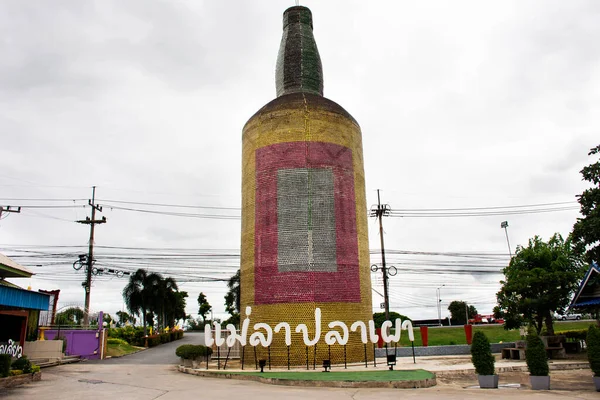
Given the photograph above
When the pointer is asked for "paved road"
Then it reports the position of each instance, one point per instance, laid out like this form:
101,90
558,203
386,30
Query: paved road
151,374
163,354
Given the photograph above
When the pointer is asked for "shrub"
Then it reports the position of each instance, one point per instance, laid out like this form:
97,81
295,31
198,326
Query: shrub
593,349
15,372
5,360
130,334
35,368
22,364
165,337
579,334
481,354
535,355
153,340
192,351
116,341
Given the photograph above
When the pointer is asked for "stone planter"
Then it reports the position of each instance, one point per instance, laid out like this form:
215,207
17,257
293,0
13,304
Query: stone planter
17,380
488,381
597,383
539,382
186,363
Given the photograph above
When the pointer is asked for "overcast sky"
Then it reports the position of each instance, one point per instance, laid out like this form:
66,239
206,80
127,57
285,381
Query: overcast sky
462,104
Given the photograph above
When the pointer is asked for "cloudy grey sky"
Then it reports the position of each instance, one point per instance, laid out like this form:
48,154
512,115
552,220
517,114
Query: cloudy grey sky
462,104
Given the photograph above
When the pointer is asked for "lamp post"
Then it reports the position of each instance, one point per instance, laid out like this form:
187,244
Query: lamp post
439,303
504,224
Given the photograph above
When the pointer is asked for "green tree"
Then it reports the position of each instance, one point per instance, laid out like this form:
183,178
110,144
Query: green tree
177,309
123,318
140,295
498,313
203,306
586,231
70,316
379,318
232,299
458,310
165,300
538,281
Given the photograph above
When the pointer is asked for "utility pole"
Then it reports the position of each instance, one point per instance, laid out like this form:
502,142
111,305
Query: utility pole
90,260
504,224
9,209
438,293
379,212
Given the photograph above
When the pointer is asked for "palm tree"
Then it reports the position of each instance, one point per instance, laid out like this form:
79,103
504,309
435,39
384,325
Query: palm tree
140,293
165,299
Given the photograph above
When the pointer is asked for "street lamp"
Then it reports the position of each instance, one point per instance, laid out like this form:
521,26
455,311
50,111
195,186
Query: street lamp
504,224
439,303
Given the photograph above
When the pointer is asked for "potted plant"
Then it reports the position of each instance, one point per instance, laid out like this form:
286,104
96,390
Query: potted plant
537,362
191,355
593,352
483,361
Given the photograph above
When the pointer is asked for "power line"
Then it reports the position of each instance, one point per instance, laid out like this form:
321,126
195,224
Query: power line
169,205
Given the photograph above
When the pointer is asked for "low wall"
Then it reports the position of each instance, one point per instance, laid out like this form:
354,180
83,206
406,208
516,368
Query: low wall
453,350
44,349
12,381
83,343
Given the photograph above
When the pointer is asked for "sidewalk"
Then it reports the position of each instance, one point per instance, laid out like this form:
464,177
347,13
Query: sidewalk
440,365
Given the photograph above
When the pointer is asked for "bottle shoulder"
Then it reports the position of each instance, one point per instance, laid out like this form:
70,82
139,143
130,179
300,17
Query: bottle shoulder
293,101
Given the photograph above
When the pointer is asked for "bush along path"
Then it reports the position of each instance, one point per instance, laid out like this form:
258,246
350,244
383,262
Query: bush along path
129,339
17,372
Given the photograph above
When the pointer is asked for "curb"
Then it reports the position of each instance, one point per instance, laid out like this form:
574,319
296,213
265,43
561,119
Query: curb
416,384
517,368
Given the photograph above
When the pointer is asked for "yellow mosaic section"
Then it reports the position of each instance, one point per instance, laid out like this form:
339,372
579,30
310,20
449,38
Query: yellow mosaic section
299,124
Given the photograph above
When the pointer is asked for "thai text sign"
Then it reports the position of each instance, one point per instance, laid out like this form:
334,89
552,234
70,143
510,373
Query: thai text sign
263,333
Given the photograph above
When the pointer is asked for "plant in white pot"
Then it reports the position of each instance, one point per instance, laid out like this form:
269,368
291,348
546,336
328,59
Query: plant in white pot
483,361
593,352
537,362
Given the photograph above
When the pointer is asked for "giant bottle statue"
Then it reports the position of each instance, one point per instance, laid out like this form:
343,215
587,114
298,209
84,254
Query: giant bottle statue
304,214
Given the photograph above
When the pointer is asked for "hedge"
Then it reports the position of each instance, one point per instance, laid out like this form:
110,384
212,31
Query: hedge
481,354
192,351
132,335
535,356
22,364
5,360
579,334
135,336
593,349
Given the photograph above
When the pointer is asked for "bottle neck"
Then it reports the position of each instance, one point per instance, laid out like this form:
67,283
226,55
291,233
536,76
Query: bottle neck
298,62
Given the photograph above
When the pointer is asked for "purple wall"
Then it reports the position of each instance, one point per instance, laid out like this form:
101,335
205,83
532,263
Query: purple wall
79,343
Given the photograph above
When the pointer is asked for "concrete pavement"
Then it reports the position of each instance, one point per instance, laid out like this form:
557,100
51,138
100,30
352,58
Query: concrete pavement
152,374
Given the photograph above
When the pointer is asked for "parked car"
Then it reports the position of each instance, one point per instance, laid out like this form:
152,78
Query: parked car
564,317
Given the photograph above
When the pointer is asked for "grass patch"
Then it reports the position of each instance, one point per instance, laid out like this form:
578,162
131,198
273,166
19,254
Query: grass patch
120,349
444,336
346,376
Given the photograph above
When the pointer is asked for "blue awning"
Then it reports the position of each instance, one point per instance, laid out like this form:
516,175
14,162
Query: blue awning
592,302
21,298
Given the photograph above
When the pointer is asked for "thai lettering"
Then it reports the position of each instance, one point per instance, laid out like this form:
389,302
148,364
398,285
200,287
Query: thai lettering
288,332
334,336
304,329
12,348
363,331
263,333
